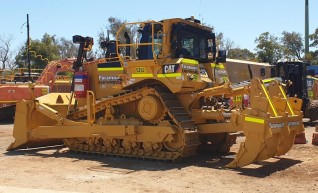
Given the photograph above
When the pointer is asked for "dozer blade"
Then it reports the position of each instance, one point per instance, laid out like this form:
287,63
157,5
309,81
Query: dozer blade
34,144
27,117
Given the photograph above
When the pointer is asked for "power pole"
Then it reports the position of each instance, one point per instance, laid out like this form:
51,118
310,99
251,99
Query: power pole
28,47
306,27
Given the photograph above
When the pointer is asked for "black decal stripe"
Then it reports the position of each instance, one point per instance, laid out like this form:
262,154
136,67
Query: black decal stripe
109,65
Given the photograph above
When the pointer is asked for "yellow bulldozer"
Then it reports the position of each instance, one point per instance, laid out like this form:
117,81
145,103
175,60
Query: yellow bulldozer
156,96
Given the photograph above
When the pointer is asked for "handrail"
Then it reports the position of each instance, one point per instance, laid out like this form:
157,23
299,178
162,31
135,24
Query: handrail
152,43
90,107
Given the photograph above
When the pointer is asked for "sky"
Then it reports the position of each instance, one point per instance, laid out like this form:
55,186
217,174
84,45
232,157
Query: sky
241,21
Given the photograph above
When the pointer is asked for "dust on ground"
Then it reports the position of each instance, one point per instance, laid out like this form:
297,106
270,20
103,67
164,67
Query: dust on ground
56,169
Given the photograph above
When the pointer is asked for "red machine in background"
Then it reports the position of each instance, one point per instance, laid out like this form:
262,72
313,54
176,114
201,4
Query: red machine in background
15,88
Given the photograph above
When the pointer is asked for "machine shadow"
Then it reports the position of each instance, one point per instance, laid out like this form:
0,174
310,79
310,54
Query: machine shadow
267,169
6,121
128,165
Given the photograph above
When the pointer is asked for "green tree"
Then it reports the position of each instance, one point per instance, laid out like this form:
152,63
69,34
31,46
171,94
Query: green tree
293,46
268,48
241,54
67,48
228,44
314,38
42,51
113,25
312,56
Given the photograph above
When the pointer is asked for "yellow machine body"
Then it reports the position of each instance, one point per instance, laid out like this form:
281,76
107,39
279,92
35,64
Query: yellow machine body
153,99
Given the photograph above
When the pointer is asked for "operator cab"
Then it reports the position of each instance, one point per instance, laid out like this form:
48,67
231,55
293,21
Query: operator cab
172,38
187,41
192,40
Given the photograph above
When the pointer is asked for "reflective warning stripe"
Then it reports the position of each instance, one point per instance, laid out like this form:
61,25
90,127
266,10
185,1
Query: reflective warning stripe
189,61
268,80
170,75
284,95
254,120
142,75
269,100
110,69
221,66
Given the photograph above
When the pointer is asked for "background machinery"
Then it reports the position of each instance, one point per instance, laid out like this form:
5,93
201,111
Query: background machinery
300,84
156,97
294,74
15,87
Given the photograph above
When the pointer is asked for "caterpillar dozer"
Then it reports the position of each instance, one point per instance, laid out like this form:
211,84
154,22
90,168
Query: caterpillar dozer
155,96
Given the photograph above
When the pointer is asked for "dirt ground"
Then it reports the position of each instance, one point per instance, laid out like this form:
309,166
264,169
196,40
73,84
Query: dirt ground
56,169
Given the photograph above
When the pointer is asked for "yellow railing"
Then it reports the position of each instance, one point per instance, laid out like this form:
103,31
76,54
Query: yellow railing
137,44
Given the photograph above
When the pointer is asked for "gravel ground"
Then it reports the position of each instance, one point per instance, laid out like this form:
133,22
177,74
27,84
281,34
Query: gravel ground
55,169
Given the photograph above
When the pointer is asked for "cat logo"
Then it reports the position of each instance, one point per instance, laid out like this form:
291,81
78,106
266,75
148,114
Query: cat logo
171,68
